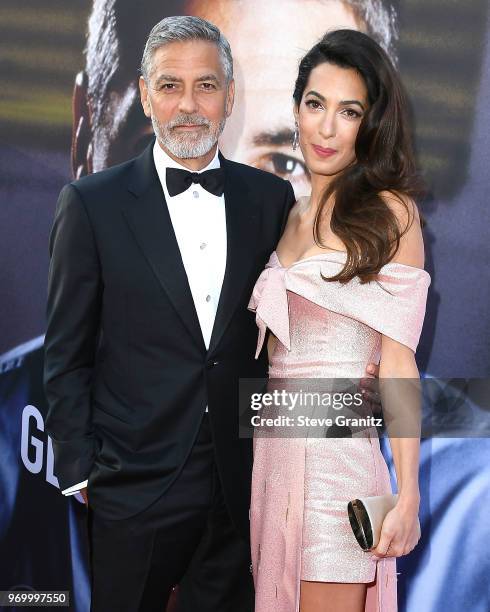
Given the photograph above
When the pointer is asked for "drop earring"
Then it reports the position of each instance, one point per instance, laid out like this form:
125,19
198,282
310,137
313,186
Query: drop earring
296,137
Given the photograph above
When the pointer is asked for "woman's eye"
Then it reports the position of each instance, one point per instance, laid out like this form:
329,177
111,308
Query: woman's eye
313,104
351,113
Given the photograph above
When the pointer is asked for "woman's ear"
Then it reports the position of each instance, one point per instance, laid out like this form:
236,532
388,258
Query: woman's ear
295,112
81,139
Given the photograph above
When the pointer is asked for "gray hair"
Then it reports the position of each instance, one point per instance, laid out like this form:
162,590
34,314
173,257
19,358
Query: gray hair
182,28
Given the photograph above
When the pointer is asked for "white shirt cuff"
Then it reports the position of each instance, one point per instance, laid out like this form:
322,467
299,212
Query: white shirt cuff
75,488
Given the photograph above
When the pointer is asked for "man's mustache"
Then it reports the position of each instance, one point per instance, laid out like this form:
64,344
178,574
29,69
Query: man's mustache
183,120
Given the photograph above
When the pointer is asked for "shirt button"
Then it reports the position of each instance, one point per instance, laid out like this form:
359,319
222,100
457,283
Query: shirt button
208,298
203,245
195,194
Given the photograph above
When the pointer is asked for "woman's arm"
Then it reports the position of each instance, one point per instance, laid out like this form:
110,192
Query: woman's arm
400,397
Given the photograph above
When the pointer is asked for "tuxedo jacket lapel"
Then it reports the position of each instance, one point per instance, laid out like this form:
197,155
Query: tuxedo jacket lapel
149,220
242,227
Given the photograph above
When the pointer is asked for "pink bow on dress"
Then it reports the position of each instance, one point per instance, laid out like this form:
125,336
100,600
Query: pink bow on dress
269,301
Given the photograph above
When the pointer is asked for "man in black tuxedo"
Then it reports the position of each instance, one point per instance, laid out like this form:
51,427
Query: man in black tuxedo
152,266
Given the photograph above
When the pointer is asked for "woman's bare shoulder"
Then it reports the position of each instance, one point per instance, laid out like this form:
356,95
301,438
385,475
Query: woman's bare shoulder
411,248
403,207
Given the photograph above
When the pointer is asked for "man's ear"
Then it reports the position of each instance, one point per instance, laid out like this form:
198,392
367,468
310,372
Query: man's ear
230,97
81,138
145,101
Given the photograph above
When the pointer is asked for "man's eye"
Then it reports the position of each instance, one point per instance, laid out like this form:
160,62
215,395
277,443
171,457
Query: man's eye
166,86
208,86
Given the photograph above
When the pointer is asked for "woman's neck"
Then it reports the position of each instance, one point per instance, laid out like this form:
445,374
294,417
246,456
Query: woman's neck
319,183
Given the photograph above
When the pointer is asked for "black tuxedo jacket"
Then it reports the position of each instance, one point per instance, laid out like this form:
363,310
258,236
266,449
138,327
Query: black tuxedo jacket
127,375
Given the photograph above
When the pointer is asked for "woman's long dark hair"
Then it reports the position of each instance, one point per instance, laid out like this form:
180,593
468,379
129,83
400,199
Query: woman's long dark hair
385,160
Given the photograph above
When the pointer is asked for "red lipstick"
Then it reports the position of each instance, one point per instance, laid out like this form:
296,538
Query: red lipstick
322,152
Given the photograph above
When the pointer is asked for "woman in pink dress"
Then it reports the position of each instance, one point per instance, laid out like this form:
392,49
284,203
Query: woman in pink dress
345,287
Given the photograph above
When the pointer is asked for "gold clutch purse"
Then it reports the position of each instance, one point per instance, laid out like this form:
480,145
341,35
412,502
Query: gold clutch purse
366,516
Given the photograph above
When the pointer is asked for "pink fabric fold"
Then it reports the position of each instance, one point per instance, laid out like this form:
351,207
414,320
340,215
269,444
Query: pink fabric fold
400,290
269,301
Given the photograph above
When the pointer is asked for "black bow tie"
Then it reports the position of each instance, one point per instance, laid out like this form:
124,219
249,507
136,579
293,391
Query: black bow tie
180,180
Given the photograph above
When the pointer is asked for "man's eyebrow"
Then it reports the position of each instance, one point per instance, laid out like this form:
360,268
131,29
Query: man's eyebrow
342,102
170,78
208,77
275,138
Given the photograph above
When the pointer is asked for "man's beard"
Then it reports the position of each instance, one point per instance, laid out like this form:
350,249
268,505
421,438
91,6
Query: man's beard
188,145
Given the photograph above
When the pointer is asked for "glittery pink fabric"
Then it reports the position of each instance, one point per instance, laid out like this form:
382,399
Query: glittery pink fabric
301,486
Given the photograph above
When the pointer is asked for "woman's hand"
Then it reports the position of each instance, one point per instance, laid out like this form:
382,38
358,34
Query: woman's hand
399,532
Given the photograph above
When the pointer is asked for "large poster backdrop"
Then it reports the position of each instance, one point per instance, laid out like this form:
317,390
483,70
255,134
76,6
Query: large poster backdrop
443,51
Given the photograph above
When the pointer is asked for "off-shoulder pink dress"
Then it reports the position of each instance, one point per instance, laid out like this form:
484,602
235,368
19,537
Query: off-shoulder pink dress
301,486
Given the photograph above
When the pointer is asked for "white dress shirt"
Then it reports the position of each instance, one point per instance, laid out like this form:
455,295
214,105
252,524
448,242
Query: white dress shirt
199,221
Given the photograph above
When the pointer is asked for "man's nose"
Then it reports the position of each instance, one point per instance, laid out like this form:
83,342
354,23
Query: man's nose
187,102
